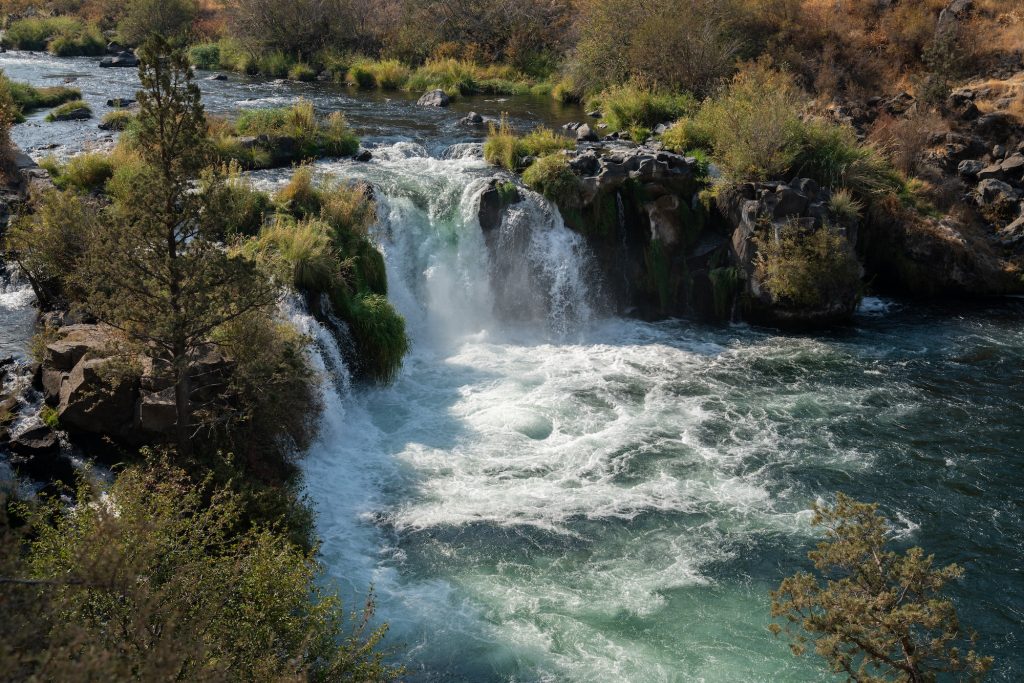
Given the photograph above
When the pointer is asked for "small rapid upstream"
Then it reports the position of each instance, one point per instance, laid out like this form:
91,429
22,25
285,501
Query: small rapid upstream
547,493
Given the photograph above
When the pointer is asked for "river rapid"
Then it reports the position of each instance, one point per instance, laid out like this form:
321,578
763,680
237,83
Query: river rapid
562,495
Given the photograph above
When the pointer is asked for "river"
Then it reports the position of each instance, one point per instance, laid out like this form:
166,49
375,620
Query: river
578,497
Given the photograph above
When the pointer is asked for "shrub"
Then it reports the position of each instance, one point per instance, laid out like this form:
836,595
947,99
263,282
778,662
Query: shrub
48,245
806,270
88,171
566,91
687,135
302,72
69,109
631,106
551,176
169,18
754,125
360,76
161,578
205,56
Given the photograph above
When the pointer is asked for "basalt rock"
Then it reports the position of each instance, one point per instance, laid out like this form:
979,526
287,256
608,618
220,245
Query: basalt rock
495,200
760,211
434,98
125,59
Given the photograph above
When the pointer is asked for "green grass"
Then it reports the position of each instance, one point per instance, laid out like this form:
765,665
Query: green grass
506,149
88,171
302,72
304,253
313,136
460,77
806,271
62,36
632,106
379,333
28,98
388,74
67,109
832,155
551,176
119,119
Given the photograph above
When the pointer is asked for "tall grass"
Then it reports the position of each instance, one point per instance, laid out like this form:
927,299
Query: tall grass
461,77
633,106
506,149
551,176
62,36
388,74
831,155
379,333
300,252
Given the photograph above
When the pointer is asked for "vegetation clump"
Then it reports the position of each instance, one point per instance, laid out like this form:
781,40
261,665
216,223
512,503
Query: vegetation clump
158,576
551,176
806,270
638,109
62,36
874,614
510,151
76,109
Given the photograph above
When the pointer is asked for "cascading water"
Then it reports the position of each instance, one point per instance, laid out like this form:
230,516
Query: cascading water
544,494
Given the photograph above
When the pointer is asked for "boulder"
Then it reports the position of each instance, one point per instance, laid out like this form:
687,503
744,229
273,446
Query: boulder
217,77
992,191
363,155
1013,166
125,59
991,171
472,119
96,400
120,102
80,114
434,98
970,168
499,195
158,413
73,343
35,453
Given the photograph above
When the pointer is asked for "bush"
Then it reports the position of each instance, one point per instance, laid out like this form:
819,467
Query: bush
160,578
632,106
48,245
806,270
754,125
551,176
274,64
169,18
844,207
302,72
88,171
70,109
566,91
205,56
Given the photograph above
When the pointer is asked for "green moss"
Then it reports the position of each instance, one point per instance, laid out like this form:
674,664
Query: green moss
658,274
725,285
50,417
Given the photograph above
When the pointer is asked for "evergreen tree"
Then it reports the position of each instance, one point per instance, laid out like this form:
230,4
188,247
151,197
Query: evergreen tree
880,615
153,269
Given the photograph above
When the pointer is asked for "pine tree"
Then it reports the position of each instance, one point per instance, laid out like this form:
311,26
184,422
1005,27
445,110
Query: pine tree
153,270
880,615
